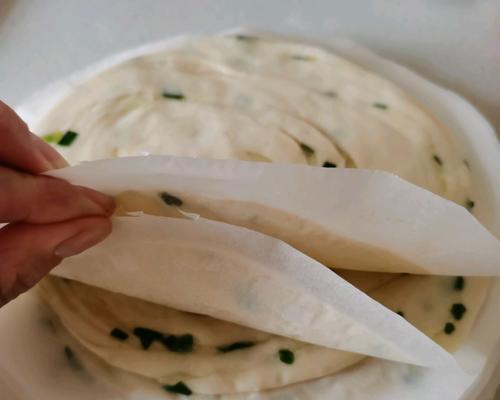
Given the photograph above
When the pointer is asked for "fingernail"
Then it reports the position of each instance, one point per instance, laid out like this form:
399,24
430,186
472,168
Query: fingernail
50,157
104,202
45,163
59,163
82,241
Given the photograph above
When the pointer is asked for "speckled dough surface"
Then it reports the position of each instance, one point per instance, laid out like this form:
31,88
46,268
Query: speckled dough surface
256,99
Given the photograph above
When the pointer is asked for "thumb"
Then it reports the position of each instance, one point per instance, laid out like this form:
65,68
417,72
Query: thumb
30,251
43,200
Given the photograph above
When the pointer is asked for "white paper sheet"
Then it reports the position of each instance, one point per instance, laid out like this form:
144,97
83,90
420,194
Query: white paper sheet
377,221
238,275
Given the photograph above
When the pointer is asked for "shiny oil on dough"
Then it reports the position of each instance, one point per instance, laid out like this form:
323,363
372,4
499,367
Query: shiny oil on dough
274,101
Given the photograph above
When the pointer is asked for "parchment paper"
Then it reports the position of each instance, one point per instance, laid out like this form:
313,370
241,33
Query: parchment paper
379,222
235,274
33,362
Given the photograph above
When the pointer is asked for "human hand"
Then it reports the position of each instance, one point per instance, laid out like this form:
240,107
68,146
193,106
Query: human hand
49,219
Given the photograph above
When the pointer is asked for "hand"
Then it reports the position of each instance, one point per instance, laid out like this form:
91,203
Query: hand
49,219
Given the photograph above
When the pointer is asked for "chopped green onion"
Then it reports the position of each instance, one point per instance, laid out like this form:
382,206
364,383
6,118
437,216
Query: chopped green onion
171,200
179,344
72,359
449,328
235,346
286,356
301,57
308,151
381,106
147,336
53,137
247,38
469,204
173,96
179,387
458,310
437,159
117,333
328,164
68,138
459,283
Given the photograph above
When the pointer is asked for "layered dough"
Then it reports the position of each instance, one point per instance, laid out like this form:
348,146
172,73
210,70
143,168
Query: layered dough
301,103
214,365
264,100
225,358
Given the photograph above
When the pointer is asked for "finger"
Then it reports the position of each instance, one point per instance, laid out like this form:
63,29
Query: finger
21,149
42,199
51,155
29,251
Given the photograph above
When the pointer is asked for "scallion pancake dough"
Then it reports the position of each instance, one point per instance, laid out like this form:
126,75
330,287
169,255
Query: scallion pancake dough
219,357
332,109
274,101
223,358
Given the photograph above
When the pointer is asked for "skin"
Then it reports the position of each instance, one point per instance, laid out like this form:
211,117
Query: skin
48,219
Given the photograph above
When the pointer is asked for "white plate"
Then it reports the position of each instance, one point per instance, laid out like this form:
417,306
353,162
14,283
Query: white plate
472,129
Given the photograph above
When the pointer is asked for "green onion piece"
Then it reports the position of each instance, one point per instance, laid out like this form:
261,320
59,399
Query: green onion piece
286,356
170,200
246,38
179,387
53,137
449,328
179,344
330,93
301,57
235,346
382,106
458,310
72,359
459,283
49,324
400,313
68,138
437,159
173,96
328,164
147,336
469,204
68,352
117,333
308,151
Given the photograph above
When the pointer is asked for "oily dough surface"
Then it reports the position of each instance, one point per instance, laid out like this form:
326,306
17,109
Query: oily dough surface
264,100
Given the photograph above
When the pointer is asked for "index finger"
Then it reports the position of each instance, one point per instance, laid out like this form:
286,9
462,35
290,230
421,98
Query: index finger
21,149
